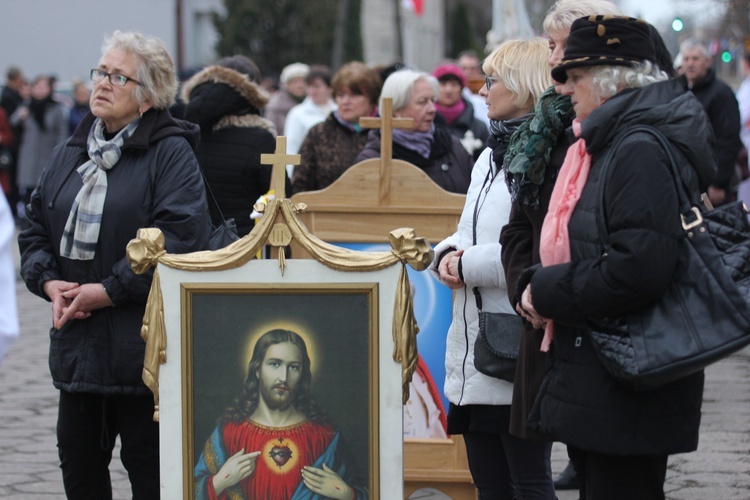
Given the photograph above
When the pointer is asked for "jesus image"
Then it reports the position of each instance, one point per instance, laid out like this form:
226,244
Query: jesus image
273,442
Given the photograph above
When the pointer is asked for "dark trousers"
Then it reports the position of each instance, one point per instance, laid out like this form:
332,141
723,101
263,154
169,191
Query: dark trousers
611,477
505,467
87,425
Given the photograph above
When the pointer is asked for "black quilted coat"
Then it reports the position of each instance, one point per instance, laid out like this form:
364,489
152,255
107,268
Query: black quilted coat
579,403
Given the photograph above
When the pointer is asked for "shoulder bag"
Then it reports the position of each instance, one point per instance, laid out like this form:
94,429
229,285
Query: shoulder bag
225,233
704,315
499,336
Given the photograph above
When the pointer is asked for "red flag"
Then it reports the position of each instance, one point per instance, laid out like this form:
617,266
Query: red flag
416,6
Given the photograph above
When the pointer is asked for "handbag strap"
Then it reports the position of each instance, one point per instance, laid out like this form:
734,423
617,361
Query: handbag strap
683,196
489,177
211,196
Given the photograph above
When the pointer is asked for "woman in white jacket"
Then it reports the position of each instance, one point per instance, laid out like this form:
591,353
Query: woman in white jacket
502,466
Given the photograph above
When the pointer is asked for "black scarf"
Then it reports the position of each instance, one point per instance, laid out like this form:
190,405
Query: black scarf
500,134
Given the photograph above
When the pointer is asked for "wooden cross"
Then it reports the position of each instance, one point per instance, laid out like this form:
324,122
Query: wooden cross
279,160
386,123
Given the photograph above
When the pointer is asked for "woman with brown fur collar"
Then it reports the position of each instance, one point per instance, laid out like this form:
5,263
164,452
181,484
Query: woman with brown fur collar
225,101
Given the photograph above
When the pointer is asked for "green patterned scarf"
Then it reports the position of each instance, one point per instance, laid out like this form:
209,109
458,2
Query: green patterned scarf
531,146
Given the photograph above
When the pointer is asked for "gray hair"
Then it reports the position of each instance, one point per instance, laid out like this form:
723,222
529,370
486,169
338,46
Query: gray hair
155,68
607,81
561,15
691,44
400,85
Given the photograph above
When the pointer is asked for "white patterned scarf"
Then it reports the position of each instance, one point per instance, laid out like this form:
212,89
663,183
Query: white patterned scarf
82,228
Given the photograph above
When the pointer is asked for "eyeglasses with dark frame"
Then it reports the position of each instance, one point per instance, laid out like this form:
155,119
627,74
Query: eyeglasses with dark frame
116,79
488,81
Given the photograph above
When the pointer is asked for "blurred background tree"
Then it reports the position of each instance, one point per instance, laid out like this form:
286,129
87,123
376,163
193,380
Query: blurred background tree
461,34
275,33
468,21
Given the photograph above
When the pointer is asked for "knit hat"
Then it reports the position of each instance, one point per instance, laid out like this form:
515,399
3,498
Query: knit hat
294,70
605,41
446,71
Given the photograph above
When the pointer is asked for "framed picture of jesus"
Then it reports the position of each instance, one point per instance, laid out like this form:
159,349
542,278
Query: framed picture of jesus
280,387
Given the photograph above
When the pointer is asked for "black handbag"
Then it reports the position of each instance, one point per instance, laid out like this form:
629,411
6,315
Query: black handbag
499,336
704,316
225,233
496,345
222,235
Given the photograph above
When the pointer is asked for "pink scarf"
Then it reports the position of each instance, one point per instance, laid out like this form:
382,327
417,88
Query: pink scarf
451,113
554,247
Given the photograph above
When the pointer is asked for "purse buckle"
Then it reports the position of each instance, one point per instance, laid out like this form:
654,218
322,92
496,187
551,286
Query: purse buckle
697,222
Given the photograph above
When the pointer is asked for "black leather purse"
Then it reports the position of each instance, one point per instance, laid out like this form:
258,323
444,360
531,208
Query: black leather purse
496,346
499,336
705,314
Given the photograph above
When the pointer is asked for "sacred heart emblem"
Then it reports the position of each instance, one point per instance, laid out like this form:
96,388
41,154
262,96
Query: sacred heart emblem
281,455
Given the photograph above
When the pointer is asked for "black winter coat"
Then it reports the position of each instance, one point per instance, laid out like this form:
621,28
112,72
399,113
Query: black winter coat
103,354
579,403
519,250
226,105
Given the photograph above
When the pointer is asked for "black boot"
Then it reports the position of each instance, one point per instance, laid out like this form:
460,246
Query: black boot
568,479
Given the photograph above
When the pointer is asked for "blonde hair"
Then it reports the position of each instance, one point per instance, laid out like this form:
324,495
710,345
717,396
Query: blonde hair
561,15
154,67
522,67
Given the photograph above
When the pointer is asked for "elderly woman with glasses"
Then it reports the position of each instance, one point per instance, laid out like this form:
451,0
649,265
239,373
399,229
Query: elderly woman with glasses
429,146
128,165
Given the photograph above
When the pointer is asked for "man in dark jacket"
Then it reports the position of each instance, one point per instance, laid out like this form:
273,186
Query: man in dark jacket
723,112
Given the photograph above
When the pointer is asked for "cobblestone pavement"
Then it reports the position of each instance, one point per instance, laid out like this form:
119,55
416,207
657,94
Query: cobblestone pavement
29,468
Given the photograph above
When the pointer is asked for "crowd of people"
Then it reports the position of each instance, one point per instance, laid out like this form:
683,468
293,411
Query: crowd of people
531,150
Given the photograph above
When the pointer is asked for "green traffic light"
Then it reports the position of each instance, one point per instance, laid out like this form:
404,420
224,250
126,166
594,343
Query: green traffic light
677,24
726,56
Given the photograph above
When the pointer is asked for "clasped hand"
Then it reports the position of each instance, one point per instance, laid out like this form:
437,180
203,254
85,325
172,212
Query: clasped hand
73,301
526,309
448,269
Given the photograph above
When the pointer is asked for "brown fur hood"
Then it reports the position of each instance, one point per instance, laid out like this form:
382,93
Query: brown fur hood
219,97
250,91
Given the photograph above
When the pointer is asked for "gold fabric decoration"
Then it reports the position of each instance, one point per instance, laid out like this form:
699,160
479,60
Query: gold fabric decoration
147,251
601,30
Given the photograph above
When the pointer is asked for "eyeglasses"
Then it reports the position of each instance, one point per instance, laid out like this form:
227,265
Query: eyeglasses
116,79
488,81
